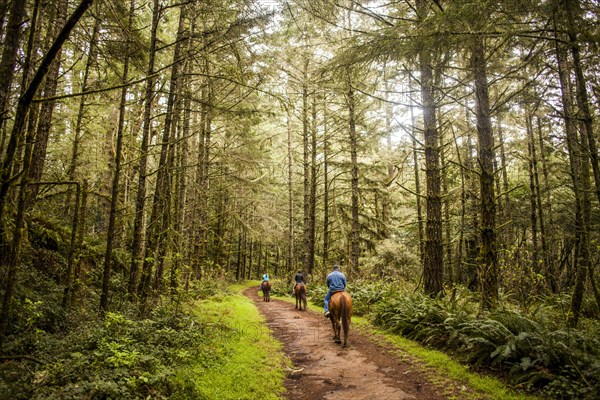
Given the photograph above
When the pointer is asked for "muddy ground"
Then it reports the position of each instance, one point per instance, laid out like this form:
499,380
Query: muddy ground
366,369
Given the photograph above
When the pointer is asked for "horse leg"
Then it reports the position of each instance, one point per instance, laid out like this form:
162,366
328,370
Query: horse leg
335,323
334,330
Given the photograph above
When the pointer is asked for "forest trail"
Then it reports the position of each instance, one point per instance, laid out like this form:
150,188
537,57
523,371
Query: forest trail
325,370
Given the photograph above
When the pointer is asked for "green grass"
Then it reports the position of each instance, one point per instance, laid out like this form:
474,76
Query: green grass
250,364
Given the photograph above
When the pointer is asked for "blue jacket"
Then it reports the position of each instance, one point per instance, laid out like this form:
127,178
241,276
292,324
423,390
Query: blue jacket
336,281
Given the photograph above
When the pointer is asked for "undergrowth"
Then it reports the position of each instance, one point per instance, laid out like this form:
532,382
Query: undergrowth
122,356
535,351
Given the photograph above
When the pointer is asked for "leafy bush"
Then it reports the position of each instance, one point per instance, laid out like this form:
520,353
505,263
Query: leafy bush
535,351
117,357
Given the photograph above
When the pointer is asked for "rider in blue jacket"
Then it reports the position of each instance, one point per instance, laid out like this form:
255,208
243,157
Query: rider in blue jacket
265,279
336,281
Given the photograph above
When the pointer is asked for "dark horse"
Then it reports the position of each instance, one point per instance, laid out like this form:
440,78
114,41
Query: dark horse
340,309
300,292
266,289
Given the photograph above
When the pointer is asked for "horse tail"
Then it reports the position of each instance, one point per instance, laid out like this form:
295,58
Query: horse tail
345,316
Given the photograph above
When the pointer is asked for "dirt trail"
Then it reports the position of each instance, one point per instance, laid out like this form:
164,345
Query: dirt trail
325,370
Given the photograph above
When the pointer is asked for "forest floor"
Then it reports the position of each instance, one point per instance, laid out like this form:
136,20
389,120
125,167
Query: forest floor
368,368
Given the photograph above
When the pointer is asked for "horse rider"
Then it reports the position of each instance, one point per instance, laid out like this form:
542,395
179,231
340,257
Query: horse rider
265,278
299,278
336,281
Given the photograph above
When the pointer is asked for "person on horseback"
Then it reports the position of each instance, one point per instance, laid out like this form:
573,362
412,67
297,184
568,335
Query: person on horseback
265,279
336,281
299,278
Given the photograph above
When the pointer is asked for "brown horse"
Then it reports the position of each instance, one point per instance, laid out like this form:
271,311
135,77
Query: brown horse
300,292
266,289
340,313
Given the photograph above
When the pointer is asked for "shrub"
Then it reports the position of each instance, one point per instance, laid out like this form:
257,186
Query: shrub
117,357
535,351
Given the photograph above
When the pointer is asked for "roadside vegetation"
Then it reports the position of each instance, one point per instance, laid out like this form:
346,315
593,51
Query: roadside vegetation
209,344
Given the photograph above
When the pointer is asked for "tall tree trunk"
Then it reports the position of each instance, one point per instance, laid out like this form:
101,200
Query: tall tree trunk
532,199
306,265
325,186
547,234
386,205
433,269
244,253
488,266
354,241
165,242
573,11
313,183
81,226
202,173
238,269
580,192
472,241
251,259
506,209
199,229
159,217
78,136
14,168
38,157
10,51
206,165
457,273
290,184
449,270
544,268
183,147
584,261
137,245
73,249
417,167
114,199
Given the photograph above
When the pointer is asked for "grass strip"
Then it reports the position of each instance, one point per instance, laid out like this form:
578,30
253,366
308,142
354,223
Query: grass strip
250,364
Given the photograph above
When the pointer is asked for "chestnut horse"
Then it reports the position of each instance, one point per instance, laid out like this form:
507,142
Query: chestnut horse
340,313
300,292
266,289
